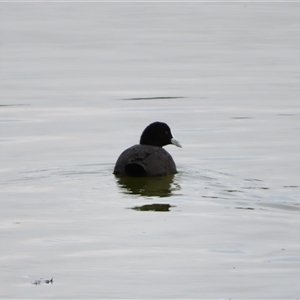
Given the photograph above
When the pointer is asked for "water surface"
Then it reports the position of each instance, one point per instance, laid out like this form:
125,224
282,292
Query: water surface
80,82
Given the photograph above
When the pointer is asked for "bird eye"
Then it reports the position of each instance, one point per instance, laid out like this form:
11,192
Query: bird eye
166,133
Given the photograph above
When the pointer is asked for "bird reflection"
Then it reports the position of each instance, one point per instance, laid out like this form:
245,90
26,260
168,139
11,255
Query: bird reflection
148,186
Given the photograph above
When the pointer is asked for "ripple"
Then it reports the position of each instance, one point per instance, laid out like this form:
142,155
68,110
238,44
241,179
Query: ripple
154,98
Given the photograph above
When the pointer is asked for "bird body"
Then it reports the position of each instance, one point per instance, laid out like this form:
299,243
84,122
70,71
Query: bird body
148,158
145,160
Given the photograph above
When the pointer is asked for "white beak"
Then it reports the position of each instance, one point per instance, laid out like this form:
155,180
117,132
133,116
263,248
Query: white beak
175,142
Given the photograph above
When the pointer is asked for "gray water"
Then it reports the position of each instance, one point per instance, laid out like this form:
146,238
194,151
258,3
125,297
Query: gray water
79,83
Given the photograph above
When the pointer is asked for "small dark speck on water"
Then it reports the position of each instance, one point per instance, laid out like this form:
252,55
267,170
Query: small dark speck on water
41,281
37,282
49,281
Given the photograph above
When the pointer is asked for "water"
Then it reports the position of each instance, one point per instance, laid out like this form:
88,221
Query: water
80,81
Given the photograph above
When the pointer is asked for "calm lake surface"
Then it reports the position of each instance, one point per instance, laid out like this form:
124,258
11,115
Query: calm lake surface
80,82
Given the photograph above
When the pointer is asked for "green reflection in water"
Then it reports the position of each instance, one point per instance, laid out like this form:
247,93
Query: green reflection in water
153,207
148,186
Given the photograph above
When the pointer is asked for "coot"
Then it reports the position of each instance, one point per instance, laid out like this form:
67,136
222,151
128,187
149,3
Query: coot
148,158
